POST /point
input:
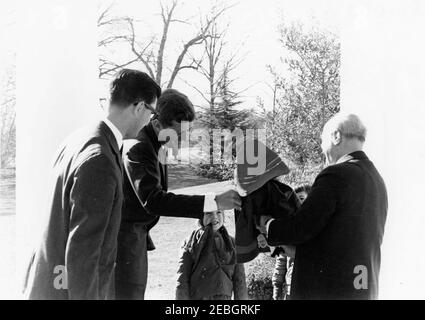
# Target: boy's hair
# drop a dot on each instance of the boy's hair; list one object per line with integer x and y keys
{"x": 132, "y": 86}
{"x": 303, "y": 188}
{"x": 174, "y": 105}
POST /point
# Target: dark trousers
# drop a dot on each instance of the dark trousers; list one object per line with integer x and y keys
{"x": 131, "y": 271}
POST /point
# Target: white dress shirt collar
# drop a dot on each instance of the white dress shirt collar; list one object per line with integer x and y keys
{"x": 346, "y": 157}
{"x": 115, "y": 131}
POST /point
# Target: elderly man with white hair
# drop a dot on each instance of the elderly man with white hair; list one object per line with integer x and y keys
{"x": 338, "y": 230}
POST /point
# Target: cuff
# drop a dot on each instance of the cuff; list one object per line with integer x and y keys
{"x": 268, "y": 225}
{"x": 209, "y": 203}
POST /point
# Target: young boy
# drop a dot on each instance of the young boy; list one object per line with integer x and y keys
{"x": 282, "y": 273}
{"x": 207, "y": 267}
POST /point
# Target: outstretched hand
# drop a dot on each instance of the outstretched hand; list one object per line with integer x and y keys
{"x": 228, "y": 200}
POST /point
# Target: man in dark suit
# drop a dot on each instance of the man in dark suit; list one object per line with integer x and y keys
{"x": 338, "y": 230}
{"x": 146, "y": 197}
{"x": 75, "y": 258}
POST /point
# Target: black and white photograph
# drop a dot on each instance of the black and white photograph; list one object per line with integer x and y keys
{"x": 223, "y": 150}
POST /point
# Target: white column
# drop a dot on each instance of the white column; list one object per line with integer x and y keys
{"x": 383, "y": 80}
{"x": 56, "y": 93}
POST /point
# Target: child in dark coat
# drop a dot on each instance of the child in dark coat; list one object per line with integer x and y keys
{"x": 282, "y": 273}
{"x": 207, "y": 268}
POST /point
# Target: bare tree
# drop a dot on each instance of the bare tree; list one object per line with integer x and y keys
{"x": 111, "y": 32}
{"x": 213, "y": 46}
{"x": 216, "y": 69}
{"x": 152, "y": 53}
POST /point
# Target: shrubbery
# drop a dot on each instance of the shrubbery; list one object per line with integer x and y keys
{"x": 259, "y": 277}
{"x": 298, "y": 177}
{"x": 307, "y": 95}
{"x": 221, "y": 172}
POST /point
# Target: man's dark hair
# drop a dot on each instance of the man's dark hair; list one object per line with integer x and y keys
{"x": 132, "y": 86}
{"x": 173, "y": 105}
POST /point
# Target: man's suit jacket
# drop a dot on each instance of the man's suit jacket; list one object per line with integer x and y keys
{"x": 338, "y": 232}
{"x": 80, "y": 232}
{"x": 145, "y": 199}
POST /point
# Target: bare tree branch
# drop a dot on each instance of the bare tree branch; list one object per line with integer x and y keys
{"x": 111, "y": 39}
{"x": 151, "y": 54}
{"x": 102, "y": 17}
{"x": 103, "y": 71}
{"x": 203, "y": 95}
{"x": 166, "y": 18}
{"x": 134, "y": 49}
{"x": 198, "y": 39}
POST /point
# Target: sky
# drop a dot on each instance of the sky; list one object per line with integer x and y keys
{"x": 7, "y": 40}
{"x": 252, "y": 33}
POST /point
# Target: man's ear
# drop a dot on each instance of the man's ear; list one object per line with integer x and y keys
{"x": 336, "y": 137}
{"x": 156, "y": 124}
{"x": 138, "y": 108}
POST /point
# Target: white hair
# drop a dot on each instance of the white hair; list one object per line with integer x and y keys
{"x": 348, "y": 124}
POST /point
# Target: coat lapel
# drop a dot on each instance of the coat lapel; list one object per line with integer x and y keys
{"x": 161, "y": 152}
{"x": 113, "y": 143}
{"x": 162, "y": 157}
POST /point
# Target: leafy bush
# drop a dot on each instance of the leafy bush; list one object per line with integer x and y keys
{"x": 307, "y": 95}
{"x": 259, "y": 277}
{"x": 221, "y": 172}
{"x": 302, "y": 176}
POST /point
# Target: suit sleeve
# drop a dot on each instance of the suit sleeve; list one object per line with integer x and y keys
{"x": 183, "y": 274}
{"x": 91, "y": 198}
{"x": 240, "y": 291}
{"x": 314, "y": 213}
{"x": 141, "y": 165}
